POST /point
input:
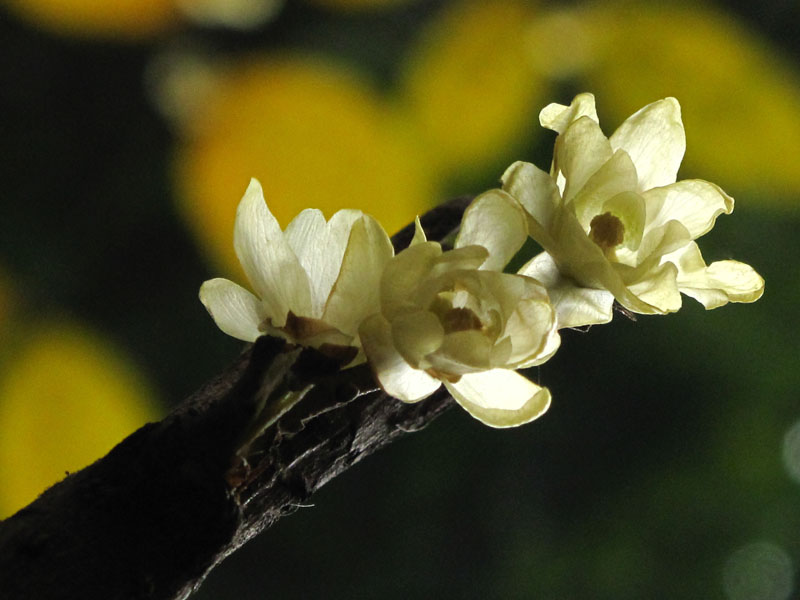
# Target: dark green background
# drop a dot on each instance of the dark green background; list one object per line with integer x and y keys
{"x": 661, "y": 454}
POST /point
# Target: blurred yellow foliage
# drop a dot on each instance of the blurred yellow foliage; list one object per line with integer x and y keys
{"x": 66, "y": 398}
{"x": 103, "y": 18}
{"x": 470, "y": 87}
{"x": 314, "y": 134}
{"x": 741, "y": 103}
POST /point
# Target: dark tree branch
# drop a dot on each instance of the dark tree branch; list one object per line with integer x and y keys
{"x": 170, "y": 502}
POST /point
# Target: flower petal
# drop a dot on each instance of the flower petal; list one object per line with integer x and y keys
{"x": 629, "y": 208}
{"x": 579, "y": 153}
{"x": 356, "y": 293}
{"x": 268, "y": 260}
{"x": 419, "y": 233}
{"x": 497, "y": 222}
{"x": 500, "y": 397}
{"x": 617, "y": 175}
{"x": 462, "y": 352}
{"x": 417, "y": 334}
{"x": 655, "y": 139}
{"x": 659, "y": 242}
{"x": 403, "y": 275}
{"x": 320, "y": 247}
{"x": 659, "y": 290}
{"x": 718, "y": 283}
{"x": 558, "y": 117}
{"x": 551, "y": 346}
{"x": 535, "y": 190}
{"x": 693, "y": 202}
{"x": 396, "y": 376}
{"x": 236, "y": 311}
{"x": 575, "y": 306}
{"x": 529, "y": 329}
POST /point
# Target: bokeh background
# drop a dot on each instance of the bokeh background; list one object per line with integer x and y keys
{"x": 669, "y": 463}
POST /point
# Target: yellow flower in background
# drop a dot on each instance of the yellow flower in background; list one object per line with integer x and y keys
{"x": 314, "y": 134}
{"x": 120, "y": 18}
{"x": 742, "y": 99}
{"x": 66, "y": 398}
{"x": 134, "y": 19}
{"x": 469, "y": 87}
{"x": 451, "y": 318}
{"x": 615, "y": 224}
{"x": 315, "y": 282}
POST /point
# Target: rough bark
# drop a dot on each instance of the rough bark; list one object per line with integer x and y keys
{"x": 170, "y": 502}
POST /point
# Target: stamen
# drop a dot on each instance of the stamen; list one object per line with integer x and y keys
{"x": 607, "y": 231}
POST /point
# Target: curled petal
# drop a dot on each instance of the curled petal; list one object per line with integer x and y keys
{"x": 528, "y": 330}
{"x": 695, "y": 203}
{"x": 550, "y": 347}
{"x": 655, "y": 140}
{"x": 659, "y": 290}
{"x": 659, "y": 242}
{"x": 268, "y": 260}
{"x": 395, "y": 375}
{"x": 500, "y": 397}
{"x": 236, "y": 311}
{"x": 558, "y": 117}
{"x": 575, "y": 306}
{"x": 495, "y": 221}
{"x": 718, "y": 283}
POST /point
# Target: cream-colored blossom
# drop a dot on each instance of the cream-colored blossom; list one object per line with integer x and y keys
{"x": 314, "y": 282}
{"x": 615, "y": 223}
{"x": 453, "y": 317}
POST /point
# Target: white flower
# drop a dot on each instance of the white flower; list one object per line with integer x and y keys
{"x": 452, "y": 317}
{"x": 615, "y": 224}
{"x": 314, "y": 283}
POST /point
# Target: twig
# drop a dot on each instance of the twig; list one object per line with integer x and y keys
{"x": 170, "y": 502}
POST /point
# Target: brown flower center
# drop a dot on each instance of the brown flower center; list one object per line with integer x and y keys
{"x": 460, "y": 319}
{"x": 607, "y": 231}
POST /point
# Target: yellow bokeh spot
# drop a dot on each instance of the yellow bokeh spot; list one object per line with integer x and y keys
{"x": 470, "y": 86}
{"x": 740, "y": 102}
{"x": 314, "y": 134}
{"x": 102, "y": 18}
{"x": 66, "y": 398}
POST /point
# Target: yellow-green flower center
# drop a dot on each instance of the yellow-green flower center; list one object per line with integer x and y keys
{"x": 607, "y": 231}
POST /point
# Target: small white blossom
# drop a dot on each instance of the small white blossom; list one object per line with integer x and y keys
{"x": 452, "y": 317}
{"x": 615, "y": 224}
{"x": 314, "y": 283}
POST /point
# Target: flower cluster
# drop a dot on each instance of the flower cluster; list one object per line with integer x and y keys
{"x": 613, "y": 223}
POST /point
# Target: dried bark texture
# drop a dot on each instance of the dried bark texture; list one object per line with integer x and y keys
{"x": 170, "y": 502}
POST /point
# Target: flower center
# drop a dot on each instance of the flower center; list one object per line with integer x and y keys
{"x": 460, "y": 319}
{"x": 607, "y": 231}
